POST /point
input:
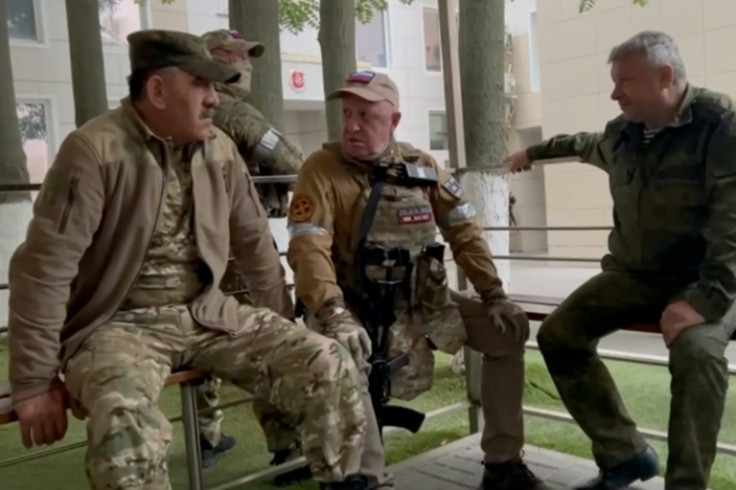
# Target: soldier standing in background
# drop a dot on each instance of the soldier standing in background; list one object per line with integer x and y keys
{"x": 266, "y": 152}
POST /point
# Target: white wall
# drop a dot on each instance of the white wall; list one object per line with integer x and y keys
{"x": 41, "y": 70}
{"x": 576, "y": 84}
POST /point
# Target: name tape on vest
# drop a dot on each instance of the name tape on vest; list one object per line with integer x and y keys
{"x": 414, "y": 215}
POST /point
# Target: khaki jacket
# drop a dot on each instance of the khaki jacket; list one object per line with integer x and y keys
{"x": 322, "y": 217}
{"x": 91, "y": 227}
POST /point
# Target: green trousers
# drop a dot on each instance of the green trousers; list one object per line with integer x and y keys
{"x": 568, "y": 340}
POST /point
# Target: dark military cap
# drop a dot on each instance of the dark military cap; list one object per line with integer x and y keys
{"x": 154, "y": 48}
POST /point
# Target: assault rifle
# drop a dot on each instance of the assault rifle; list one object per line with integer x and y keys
{"x": 376, "y": 308}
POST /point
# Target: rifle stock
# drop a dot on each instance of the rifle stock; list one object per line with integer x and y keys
{"x": 406, "y": 418}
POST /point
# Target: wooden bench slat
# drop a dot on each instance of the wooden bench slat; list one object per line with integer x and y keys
{"x": 7, "y": 415}
{"x": 538, "y": 308}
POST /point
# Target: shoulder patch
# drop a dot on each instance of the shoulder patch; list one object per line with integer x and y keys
{"x": 453, "y": 187}
{"x": 301, "y": 209}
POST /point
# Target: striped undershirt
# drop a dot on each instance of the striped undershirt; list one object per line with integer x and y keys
{"x": 649, "y": 134}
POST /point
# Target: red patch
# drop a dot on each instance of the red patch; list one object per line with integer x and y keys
{"x": 413, "y": 216}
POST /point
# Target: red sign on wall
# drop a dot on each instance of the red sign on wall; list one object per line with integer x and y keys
{"x": 297, "y": 80}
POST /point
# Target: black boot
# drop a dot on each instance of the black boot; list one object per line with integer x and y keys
{"x": 644, "y": 466}
{"x": 211, "y": 455}
{"x": 296, "y": 475}
{"x": 352, "y": 482}
{"x": 513, "y": 475}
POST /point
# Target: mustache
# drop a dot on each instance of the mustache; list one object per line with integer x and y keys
{"x": 207, "y": 114}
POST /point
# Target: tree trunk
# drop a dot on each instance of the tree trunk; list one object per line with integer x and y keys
{"x": 259, "y": 21}
{"x": 337, "y": 44}
{"x": 482, "y": 54}
{"x": 15, "y": 208}
{"x": 88, "y": 65}
{"x": 482, "y": 67}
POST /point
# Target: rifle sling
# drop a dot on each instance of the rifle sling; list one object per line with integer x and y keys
{"x": 369, "y": 213}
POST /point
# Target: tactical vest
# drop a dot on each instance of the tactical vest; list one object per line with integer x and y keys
{"x": 392, "y": 216}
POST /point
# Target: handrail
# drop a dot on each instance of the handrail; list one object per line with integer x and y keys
{"x": 543, "y": 258}
{"x": 280, "y": 179}
{"x": 257, "y": 179}
{"x": 547, "y": 228}
{"x": 721, "y": 448}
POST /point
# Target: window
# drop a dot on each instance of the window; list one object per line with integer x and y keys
{"x": 118, "y": 18}
{"x": 432, "y": 50}
{"x": 34, "y": 132}
{"x": 533, "y": 53}
{"x": 22, "y": 20}
{"x": 438, "y": 131}
{"x": 371, "y": 41}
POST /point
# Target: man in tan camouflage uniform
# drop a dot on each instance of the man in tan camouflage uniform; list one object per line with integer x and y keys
{"x": 263, "y": 147}
{"x": 354, "y": 196}
{"x": 671, "y": 162}
{"x": 266, "y": 152}
{"x": 117, "y": 284}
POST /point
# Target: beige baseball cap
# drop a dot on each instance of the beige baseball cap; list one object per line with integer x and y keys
{"x": 370, "y": 86}
{"x": 232, "y": 40}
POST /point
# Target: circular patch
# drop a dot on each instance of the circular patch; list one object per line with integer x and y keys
{"x": 301, "y": 208}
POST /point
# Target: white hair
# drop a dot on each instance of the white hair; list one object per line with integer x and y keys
{"x": 657, "y": 47}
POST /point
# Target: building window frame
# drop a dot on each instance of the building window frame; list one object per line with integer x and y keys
{"x": 144, "y": 13}
{"x": 435, "y": 112}
{"x": 50, "y": 119}
{"x": 427, "y": 71}
{"x": 384, "y": 15}
{"x": 39, "y": 18}
{"x": 534, "y": 77}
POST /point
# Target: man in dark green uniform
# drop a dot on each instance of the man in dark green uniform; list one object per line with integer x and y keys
{"x": 671, "y": 161}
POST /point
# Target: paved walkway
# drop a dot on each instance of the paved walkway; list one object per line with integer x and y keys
{"x": 456, "y": 466}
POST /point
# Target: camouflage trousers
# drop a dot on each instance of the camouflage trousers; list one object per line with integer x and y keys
{"x": 502, "y": 390}
{"x": 278, "y": 427}
{"x": 612, "y": 300}
{"x": 119, "y": 372}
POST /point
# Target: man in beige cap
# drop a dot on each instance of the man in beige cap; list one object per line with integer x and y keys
{"x": 363, "y": 222}
{"x": 266, "y": 152}
{"x": 263, "y": 147}
{"x": 117, "y": 284}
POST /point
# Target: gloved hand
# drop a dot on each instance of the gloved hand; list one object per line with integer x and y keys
{"x": 343, "y": 328}
{"x": 507, "y": 316}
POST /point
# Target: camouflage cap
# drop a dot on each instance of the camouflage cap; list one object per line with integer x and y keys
{"x": 154, "y": 48}
{"x": 232, "y": 40}
{"x": 370, "y": 86}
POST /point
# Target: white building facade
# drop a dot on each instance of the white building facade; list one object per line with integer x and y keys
{"x": 403, "y": 41}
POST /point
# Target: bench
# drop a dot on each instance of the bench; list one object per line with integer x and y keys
{"x": 186, "y": 380}
{"x": 538, "y": 308}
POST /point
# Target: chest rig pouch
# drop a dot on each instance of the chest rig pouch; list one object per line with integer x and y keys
{"x": 396, "y": 236}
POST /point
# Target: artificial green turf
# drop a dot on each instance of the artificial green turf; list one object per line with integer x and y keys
{"x": 645, "y": 389}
